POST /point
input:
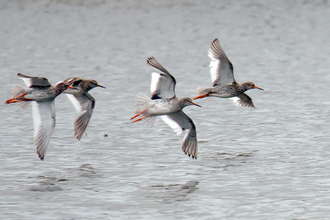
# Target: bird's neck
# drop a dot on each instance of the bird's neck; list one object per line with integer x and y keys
{"x": 59, "y": 88}
{"x": 239, "y": 87}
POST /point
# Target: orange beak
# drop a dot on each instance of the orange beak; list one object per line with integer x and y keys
{"x": 70, "y": 87}
{"x": 255, "y": 87}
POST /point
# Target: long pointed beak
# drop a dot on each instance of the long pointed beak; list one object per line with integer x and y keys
{"x": 195, "y": 104}
{"x": 101, "y": 86}
{"x": 255, "y": 87}
{"x": 70, "y": 87}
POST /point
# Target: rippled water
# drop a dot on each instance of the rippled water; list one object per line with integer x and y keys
{"x": 266, "y": 163}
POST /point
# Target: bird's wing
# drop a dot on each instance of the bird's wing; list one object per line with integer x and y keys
{"x": 74, "y": 80}
{"x": 44, "y": 124}
{"x": 179, "y": 122}
{"x": 243, "y": 100}
{"x": 162, "y": 84}
{"x": 32, "y": 81}
{"x": 84, "y": 104}
{"x": 75, "y": 86}
{"x": 221, "y": 69}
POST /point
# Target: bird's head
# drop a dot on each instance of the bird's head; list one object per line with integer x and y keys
{"x": 250, "y": 85}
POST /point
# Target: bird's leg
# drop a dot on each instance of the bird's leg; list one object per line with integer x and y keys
{"x": 138, "y": 114}
{"x": 202, "y": 96}
{"x": 140, "y": 119}
{"x": 14, "y": 100}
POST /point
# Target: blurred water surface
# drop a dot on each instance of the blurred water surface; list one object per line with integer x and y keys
{"x": 266, "y": 163}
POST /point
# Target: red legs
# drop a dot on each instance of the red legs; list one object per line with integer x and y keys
{"x": 10, "y": 101}
{"x": 138, "y": 114}
{"x": 140, "y": 119}
{"x": 202, "y": 96}
{"x": 14, "y": 100}
{"x": 20, "y": 96}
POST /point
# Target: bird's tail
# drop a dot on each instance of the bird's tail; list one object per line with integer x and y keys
{"x": 16, "y": 91}
{"x": 203, "y": 90}
{"x": 142, "y": 103}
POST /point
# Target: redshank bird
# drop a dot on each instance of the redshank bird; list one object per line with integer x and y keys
{"x": 224, "y": 83}
{"x": 164, "y": 103}
{"x": 42, "y": 94}
{"x": 82, "y": 101}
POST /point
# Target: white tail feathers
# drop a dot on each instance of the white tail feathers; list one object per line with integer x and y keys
{"x": 23, "y": 105}
{"x": 141, "y": 102}
{"x": 16, "y": 91}
{"x": 149, "y": 121}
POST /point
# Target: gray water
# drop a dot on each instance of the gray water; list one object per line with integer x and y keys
{"x": 271, "y": 162}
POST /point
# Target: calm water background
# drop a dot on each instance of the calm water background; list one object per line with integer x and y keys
{"x": 266, "y": 163}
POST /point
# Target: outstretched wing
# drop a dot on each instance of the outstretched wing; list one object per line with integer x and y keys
{"x": 44, "y": 124}
{"x": 32, "y": 81}
{"x": 221, "y": 69}
{"x": 179, "y": 122}
{"x": 84, "y": 104}
{"x": 162, "y": 84}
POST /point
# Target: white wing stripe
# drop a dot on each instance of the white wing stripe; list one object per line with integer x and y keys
{"x": 154, "y": 81}
{"x": 214, "y": 69}
{"x": 173, "y": 124}
{"x": 27, "y": 81}
{"x": 44, "y": 124}
{"x": 75, "y": 102}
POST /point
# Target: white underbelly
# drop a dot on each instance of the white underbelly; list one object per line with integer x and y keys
{"x": 161, "y": 108}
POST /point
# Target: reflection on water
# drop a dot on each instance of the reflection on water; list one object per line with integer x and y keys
{"x": 264, "y": 163}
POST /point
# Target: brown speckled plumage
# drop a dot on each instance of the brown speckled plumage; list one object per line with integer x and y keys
{"x": 224, "y": 83}
{"x": 164, "y": 103}
{"x": 83, "y": 102}
{"x": 42, "y": 95}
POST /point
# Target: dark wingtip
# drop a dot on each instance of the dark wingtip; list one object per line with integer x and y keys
{"x": 149, "y": 60}
{"x": 41, "y": 157}
{"x": 215, "y": 41}
{"x": 192, "y": 156}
